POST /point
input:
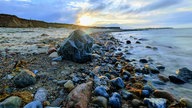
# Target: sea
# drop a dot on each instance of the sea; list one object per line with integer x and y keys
{"x": 171, "y": 48}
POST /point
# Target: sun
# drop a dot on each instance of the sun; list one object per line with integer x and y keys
{"x": 86, "y": 20}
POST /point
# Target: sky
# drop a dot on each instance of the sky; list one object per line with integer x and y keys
{"x": 123, "y": 13}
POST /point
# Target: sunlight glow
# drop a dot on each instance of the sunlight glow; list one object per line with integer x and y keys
{"x": 86, "y": 20}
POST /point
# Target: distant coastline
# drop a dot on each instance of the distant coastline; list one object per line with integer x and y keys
{"x": 12, "y": 21}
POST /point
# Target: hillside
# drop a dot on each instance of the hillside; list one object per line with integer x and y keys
{"x": 14, "y": 21}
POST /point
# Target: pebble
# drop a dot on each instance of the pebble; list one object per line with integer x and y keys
{"x": 57, "y": 59}
{"x": 115, "y": 100}
{"x": 34, "y": 104}
{"x": 24, "y": 78}
{"x": 186, "y": 101}
{"x": 145, "y": 93}
{"x": 136, "y": 103}
{"x": 128, "y": 42}
{"x": 11, "y": 102}
{"x": 41, "y": 94}
{"x": 53, "y": 55}
{"x": 163, "y": 78}
{"x": 126, "y": 94}
{"x": 101, "y": 91}
{"x": 100, "y": 101}
{"x": 155, "y": 102}
{"x": 143, "y": 61}
{"x": 61, "y": 82}
{"x": 8, "y": 77}
{"x": 118, "y": 82}
{"x": 69, "y": 85}
{"x": 54, "y": 63}
{"x": 164, "y": 94}
{"x": 57, "y": 102}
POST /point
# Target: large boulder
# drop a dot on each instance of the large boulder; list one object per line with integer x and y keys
{"x": 77, "y": 47}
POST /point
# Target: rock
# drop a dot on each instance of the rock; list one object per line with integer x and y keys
{"x": 184, "y": 74}
{"x": 69, "y": 85}
{"x": 8, "y": 77}
{"x": 34, "y": 104}
{"x": 126, "y": 95}
{"x": 54, "y": 63}
{"x": 101, "y": 91}
{"x": 145, "y": 93}
{"x": 77, "y": 47}
{"x": 143, "y": 61}
{"x": 164, "y": 94}
{"x": 102, "y": 80}
{"x": 53, "y": 55}
{"x": 44, "y": 34}
{"x": 57, "y": 102}
{"x": 128, "y": 42}
{"x": 187, "y": 102}
{"x": 163, "y": 78}
{"x": 61, "y": 82}
{"x": 41, "y": 95}
{"x": 126, "y": 75}
{"x": 137, "y": 42}
{"x": 117, "y": 82}
{"x": 149, "y": 88}
{"x": 155, "y": 102}
{"x": 11, "y": 102}
{"x": 115, "y": 100}
{"x": 176, "y": 80}
{"x": 79, "y": 96}
{"x": 125, "y": 106}
{"x": 51, "y": 50}
{"x": 160, "y": 67}
{"x": 24, "y": 78}
{"x": 100, "y": 101}
{"x": 57, "y": 59}
{"x": 136, "y": 103}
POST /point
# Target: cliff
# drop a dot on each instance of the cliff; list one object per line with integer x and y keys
{"x": 14, "y": 21}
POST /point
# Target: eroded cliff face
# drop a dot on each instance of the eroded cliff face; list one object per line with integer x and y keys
{"x": 14, "y": 21}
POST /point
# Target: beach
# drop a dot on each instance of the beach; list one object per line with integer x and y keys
{"x": 116, "y": 70}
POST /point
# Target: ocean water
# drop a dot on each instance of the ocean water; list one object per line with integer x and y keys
{"x": 174, "y": 51}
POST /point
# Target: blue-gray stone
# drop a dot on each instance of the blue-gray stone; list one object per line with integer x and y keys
{"x": 101, "y": 91}
{"x": 118, "y": 82}
{"x": 115, "y": 100}
{"x": 126, "y": 94}
{"x": 155, "y": 102}
{"x": 34, "y": 104}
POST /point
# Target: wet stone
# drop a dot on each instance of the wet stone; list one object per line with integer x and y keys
{"x": 143, "y": 61}
{"x": 155, "y": 102}
{"x": 101, "y": 91}
{"x": 126, "y": 95}
{"x": 100, "y": 101}
{"x": 136, "y": 103}
{"x": 176, "y": 80}
{"x": 115, "y": 100}
{"x": 24, "y": 79}
{"x": 118, "y": 82}
{"x": 34, "y": 104}
{"x": 41, "y": 95}
{"x": 11, "y": 102}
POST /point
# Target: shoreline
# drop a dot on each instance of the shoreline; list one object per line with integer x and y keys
{"x": 106, "y": 62}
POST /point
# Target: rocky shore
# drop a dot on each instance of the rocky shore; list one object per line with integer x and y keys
{"x": 103, "y": 77}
